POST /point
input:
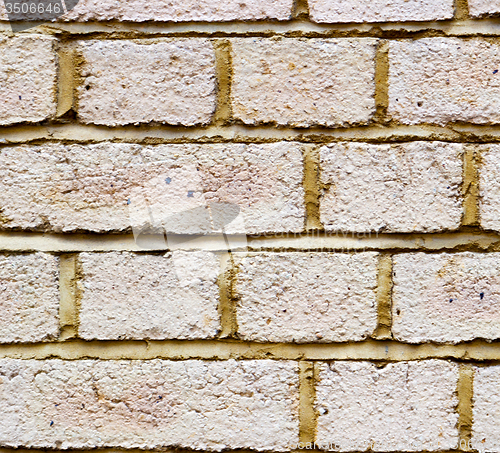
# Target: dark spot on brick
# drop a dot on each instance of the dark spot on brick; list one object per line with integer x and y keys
{"x": 481, "y": 295}
{"x": 52, "y": 422}
{"x": 420, "y": 103}
{"x": 495, "y": 71}
{"x": 128, "y": 201}
{"x": 20, "y": 98}
{"x": 451, "y": 300}
{"x": 168, "y": 180}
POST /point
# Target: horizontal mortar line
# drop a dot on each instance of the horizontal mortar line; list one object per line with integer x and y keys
{"x": 74, "y": 242}
{"x": 82, "y": 133}
{"x": 471, "y": 27}
{"x": 477, "y": 350}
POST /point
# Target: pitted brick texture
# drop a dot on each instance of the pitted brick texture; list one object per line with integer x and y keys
{"x": 486, "y": 409}
{"x": 392, "y": 188}
{"x": 130, "y": 296}
{"x": 379, "y": 11}
{"x": 149, "y": 404}
{"x": 446, "y": 297}
{"x": 303, "y": 82}
{"x": 443, "y": 80}
{"x": 489, "y": 185}
{"x": 29, "y": 297}
{"x": 406, "y": 406}
{"x": 125, "y": 82}
{"x": 304, "y": 297}
{"x": 481, "y": 8}
{"x": 28, "y": 71}
{"x": 180, "y": 10}
{"x": 113, "y": 186}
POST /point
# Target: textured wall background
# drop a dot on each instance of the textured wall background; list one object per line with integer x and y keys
{"x": 351, "y": 148}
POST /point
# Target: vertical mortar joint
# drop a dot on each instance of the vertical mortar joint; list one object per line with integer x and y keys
{"x": 383, "y": 330}
{"x": 68, "y": 293}
{"x": 461, "y": 10}
{"x": 223, "y": 70}
{"x": 227, "y": 304}
{"x": 66, "y": 80}
{"x": 470, "y": 188}
{"x": 300, "y": 10}
{"x": 464, "y": 408}
{"x": 381, "y": 82}
{"x": 312, "y": 188}
{"x": 307, "y": 397}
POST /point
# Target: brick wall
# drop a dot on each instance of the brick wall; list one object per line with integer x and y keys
{"x": 350, "y": 152}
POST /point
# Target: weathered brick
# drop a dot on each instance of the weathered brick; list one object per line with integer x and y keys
{"x": 379, "y": 11}
{"x": 481, "y": 8}
{"x": 149, "y": 404}
{"x": 405, "y": 406}
{"x": 446, "y": 297}
{"x": 130, "y": 296}
{"x": 489, "y": 185}
{"x": 303, "y": 82}
{"x": 28, "y": 72}
{"x": 29, "y": 297}
{"x": 442, "y": 80}
{"x": 180, "y": 10}
{"x": 486, "y": 409}
{"x": 304, "y": 297}
{"x": 170, "y": 81}
{"x": 404, "y": 187}
{"x": 111, "y": 186}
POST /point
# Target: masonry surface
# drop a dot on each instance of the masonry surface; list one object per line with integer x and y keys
{"x": 251, "y": 226}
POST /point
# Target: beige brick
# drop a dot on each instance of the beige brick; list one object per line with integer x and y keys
{"x": 379, "y": 11}
{"x": 130, "y": 296}
{"x": 405, "y": 406}
{"x": 303, "y": 82}
{"x": 486, "y": 409}
{"x": 489, "y": 185}
{"x": 180, "y": 10}
{"x": 149, "y": 404}
{"x": 169, "y": 81}
{"x": 446, "y": 297}
{"x": 481, "y": 8}
{"x": 111, "y": 186}
{"x": 29, "y": 297}
{"x": 404, "y": 187}
{"x": 28, "y": 71}
{"x": 442, "y": 80}
{"x": 304, "y": 297}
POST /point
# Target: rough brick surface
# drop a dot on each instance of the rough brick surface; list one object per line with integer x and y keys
{"x": 301, "y": 82}
{"x": 489, "y": 185}
{"x": 28, "y": 71}
{"x": 304, "y": 297}
{"x": 29, "y": 297}
{"x": 181, "y": 10}
{"x": 442, "y": 80}
{"x": 130, "y": 296}
{"x": 480, "y": 8}
{"x": 111, "y": 186}
{"x": 392, "y": 188}
{"x": 406, "y": 406}
{"x": 486, "y": 409}
{"x": 379, "y": 11}
{"x": 446, "y": 297}
{"x": 149, "y": 404}
{"x": 124, "y": 82}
